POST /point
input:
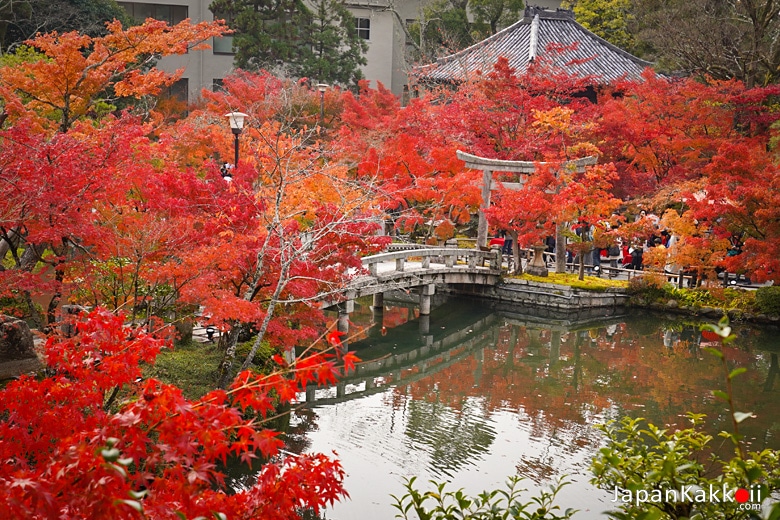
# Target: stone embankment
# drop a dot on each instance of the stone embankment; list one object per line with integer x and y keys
{"x": 547, "y": 295}
{"x": 563, "y": 298}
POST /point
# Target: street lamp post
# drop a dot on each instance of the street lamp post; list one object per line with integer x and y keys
{"x": 236, "y": 125}
{"x": 322, "y": 87}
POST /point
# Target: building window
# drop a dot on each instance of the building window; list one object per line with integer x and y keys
{"x": 217, "y": 85}
{"x": 172, "y": 14}
{"x": 179, "y": 90}
{"x": 363, "y": 27}
{"x": 223, "y": 44}
{"x": 172, "y": 101}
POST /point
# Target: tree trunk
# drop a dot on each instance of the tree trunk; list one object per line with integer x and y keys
{"x": 226, "y": 367}
{"x": 51, "y": 311}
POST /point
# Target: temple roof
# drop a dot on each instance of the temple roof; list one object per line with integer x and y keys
{"x": 524, "y": 41}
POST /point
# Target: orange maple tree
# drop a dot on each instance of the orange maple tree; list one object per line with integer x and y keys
{"x": 71, "y": 74}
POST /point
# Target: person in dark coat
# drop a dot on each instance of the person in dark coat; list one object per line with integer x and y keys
{"x": 636, "y": 258}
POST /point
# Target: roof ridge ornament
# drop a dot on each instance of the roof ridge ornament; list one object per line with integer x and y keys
{"x": 534, "y": 39}
{"x": 559, "y": 13}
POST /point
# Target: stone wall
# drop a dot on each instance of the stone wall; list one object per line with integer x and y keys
{"x": 536, "y": 294}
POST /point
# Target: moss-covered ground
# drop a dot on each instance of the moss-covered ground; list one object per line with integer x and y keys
{"x": 191, "y": 366}
{"x": 590, "y": 283}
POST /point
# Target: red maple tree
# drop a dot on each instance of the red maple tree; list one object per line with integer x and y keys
{"x": 76, "y": 446}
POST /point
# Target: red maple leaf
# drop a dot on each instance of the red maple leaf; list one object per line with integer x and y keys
{"x": 334, "y": 338}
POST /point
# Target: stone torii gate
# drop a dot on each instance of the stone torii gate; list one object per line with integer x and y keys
{"x": 488, "y": 166}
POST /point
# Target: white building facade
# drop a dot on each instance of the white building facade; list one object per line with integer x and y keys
{"x": 381, "y": 22}
{"x": 202, "y": 69}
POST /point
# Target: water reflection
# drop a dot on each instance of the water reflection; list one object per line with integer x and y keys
{"x": 454, "y": 437}
{"x": 474, "y": 395}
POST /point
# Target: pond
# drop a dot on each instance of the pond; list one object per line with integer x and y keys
{"x": 473, "y": 395}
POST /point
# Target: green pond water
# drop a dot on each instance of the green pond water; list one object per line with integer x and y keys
{"x": 475, "y": 394}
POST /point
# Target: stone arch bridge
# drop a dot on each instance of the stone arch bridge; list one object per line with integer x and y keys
{"x": 414, "y": 268}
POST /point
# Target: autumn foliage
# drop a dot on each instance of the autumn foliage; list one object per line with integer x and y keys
{"x": 110, "y": 205}
{"x": 70, "y": 450}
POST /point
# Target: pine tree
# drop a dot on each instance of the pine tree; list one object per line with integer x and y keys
{"x": 287, "y": 37}
{"x": 333, "y": 51}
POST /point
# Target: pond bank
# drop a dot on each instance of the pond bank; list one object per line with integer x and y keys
{"x": 566, "y": 298}
{"x": 541, "y": 294}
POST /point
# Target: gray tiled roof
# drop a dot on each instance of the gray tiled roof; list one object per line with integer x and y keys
{"x": 530, "y": 38}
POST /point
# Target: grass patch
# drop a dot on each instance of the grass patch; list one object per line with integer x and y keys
{"x": 590, "y": 283}
{"x": 191, "y": 366}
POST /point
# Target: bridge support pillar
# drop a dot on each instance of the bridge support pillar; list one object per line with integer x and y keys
{"x": 379, "y": 301}
{"x": 425, "y": 325}
{"x": 310, "y": 398}
{"x": 555, "y": 347}
{"x": 342, "y": 325}
{"x": 341, "y": 389}
{"x": 426, "y": 291}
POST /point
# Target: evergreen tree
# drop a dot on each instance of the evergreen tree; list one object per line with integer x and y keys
{"x": 332, "y": 50}
{"x": 287, "y": 37}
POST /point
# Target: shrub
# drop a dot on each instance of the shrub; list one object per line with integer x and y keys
{"x": 691, "y": 297}
{"x": 649, "y": 464}
{"x": 646, "y": 288}
{"x": 262, "y": 359}
{"x": 16, "y": 307}
{"x": 768, "y": 300}
{"x": 489, "y": 505}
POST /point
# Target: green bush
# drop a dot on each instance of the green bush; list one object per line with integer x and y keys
{"x": 16, "y": 307}
{"x": 768, "y": 300}
{"x": 647, "y": 287}
{"x": 644, "y": 466}
{"x": 695, "y": 298}
{"x": 493, "y": 505}
{"x": 262, "y": 356}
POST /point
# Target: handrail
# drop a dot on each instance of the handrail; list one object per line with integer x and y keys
{"x": 450, "y": 255}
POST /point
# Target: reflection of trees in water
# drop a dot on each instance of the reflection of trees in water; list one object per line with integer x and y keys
{"x": 302, "y": 421}
{"x": 774, "y": 370}
{"x": 561, "y": 380}
{"x": 294, "y": 425}
{"x": 454, "y": 438}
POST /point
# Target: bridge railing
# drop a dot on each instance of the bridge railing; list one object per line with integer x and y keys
{"x": 448, "y": 256}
